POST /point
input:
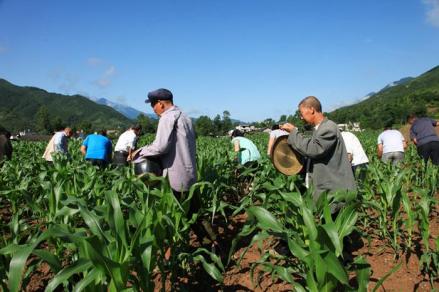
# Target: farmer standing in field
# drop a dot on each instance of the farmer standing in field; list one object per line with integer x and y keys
{"x": 356, "y": 154}
{"x": 247, "y": 153}
{"x": 175, "y": 146}
{"x": 97, "y": 149}
{"x": 174, "y": 143}
{"x": 58, "y": 143}
{"x": 329, "y": 168}
{"x": 423, "y": 134}
{"x": 126, "y": 144}
{"x": 391, "y": 145}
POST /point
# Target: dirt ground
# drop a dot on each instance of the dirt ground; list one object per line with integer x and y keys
{"x": 381, "y": 258}
{"x": 237, "y": 278}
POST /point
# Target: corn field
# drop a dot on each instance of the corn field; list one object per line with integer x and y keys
{"x": 107, "y": 230}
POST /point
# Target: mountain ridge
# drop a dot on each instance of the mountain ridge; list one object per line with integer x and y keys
{"x": 394, "y": 102}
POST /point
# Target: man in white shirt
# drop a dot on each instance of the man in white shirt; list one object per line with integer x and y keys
{"x": 58, "y": 143}
{"x": 391, "y": 145}
{"x": 356, "y": 154}
{"x": 126, "y": 144}
{"x": 275, "y": 133}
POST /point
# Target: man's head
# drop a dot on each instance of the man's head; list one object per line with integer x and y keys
{"x": 137, "y": 129}
{"x": 310, "y": 110}
{"x": 388, "y": 125}
{"x": 160, "y": 99}
{"x": 68, "y": 132}
{"x": 236, "y": 133}
{"x": 411, "y": 118}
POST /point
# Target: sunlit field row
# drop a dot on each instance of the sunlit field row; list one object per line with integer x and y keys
{"x": 107, "y": 230}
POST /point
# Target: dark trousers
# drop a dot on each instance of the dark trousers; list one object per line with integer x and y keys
{"x": 98, "y": 162}
{"x": 430, "y": 151}
{"x": 120, "y": 158}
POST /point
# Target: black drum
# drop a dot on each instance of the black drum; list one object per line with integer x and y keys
{"x": 150, "y": 165}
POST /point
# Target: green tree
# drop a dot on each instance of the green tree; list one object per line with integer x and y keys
{"x": 282, "y": 119}
{"x": 86, "y": 127}
{"x": 217, "y": 125}
{"x": 148, "y": 124}
{"x": 268, "y": 123}
{"x": 295, "y": 119}
{"x": 227, "y": 122}
{"x": 42, "y": 120}
{"x": 204, "y": 126}
{"x": 57, "y": 124}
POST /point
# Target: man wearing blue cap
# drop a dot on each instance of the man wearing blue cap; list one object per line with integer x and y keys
{"x": 174, "y": 143}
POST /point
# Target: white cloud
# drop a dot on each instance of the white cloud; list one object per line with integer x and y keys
{"x": 432, "y": 12}
{"x": 340, "y": 104}
{"x": 107, "y": 77}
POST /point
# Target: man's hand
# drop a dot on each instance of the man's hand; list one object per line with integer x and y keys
{"x": 287, "y": 127}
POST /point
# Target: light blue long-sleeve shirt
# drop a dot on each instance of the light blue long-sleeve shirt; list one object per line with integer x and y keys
{"x": 175, "y": 145}
{"x": 60, "y": 142}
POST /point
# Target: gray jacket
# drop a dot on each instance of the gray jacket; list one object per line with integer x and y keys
{"x": 175, "y": 145}
{"x": 330, "y": 169}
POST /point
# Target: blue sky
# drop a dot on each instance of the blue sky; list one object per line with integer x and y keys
{"x": 256, "y": 59}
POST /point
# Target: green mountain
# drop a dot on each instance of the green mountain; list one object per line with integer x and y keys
{"x": 392, "y": 104}
{"x": 36, "y": 109}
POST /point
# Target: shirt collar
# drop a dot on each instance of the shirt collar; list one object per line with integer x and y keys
{"x": 318, "y": 125}
{"x": 169, "y": 110}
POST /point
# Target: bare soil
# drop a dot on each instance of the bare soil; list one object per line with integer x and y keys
{"x": 237, "y": 278}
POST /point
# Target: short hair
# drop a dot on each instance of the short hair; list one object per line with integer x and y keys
{"x": 103, "y": 132}
{"x": 388, "y": 124}
{"x": 275, "y": 127}
{"x": 411, "y": 117}
{"x": 237, "y": 133}
{"x": 6, "y": 133}
{"x": 311, "y": 101}
{"x": 136, "y": 127}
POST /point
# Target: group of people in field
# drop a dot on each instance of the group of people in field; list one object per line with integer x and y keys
{"x": 332, "y": 155}
{"x": 96, "y": 148}
{"x": 330, "y": 151}
{"x": 392, "y": 144}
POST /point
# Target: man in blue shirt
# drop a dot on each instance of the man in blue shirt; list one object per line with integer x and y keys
{"x": 423, "y": 134}
{"x": 97, "y": 149}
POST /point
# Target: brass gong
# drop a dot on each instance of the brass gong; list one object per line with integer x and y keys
{"x": 284, "y": 158}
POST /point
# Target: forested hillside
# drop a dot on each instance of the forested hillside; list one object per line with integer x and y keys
{"x": 392, "y": 104}
{"x": 42, "y": 111}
